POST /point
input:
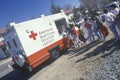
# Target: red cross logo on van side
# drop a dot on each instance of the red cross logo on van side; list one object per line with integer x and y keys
{"x": 33, "y": 35}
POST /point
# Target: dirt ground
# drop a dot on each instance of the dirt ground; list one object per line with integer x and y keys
{"x": 74, "y": 64}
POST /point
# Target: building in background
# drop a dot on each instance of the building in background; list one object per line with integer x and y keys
{"x": 3, "y": 50}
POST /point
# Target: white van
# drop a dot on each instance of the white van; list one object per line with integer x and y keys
{"x": 32, "y": 42}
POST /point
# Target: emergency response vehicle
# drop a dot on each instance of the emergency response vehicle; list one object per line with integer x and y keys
{"x": 32, "y": 42}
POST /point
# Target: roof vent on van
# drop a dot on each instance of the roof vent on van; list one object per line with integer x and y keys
{"x": 42, "y": 15}
{"x": 62, "y": 10}
{"x": 12, "y": 23}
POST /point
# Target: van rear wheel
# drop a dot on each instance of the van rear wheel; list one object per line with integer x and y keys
{"x": 55, "y": 54}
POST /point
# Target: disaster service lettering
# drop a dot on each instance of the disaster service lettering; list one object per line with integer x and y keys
{"x": 47, "y": 36}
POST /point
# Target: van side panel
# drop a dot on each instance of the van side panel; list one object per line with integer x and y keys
{"x": 42, "y": 55}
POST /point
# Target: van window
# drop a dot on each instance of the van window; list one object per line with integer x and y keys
{"x": 14, "y": 42}
{"x": 9, "y": 45}
{"x": 61, "y": 25}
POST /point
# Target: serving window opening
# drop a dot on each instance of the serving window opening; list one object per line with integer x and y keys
{"x": 61, "y": 25}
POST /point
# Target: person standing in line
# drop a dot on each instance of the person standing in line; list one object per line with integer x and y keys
{"x": 101, "y": 30}
{"x": 96, "y": 29}
{"x": 110, "y": 20}
{"x": 116, "y": 11}
{"x": 81, "y": 34}
{"x": 88, "y": 26}
{"x": 74, "y": 37}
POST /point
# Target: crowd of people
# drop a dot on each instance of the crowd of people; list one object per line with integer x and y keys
{"x": 112, "y": 18}
{"x": 95, "y": 27}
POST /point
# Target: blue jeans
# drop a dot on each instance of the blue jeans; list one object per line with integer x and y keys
{"x": 114, "y": 30}
{"x": 98, "y": 33}
{"x": 90, "y": 35}
{"x": 118, "y": 24}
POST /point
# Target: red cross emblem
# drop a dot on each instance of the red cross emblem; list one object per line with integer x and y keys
{"x": 33, "y": 35}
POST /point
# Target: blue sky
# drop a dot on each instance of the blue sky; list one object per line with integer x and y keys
{"x": 22, "y": 10}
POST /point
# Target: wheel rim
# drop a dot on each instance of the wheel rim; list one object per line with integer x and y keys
{"x": 55, "y": 54}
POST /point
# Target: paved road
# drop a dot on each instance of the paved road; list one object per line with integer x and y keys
{"x": 8, "y": 73}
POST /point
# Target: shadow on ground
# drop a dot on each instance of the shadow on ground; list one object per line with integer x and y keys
{"x": 109, "y": 46}
{"x": 76, "y": 52}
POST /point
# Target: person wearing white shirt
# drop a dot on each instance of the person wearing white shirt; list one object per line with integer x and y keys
{"x": 114, "y": 10}
{"x": 110, "y": 20}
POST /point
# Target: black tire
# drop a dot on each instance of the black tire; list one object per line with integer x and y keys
{"x": 55, "y": 54}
